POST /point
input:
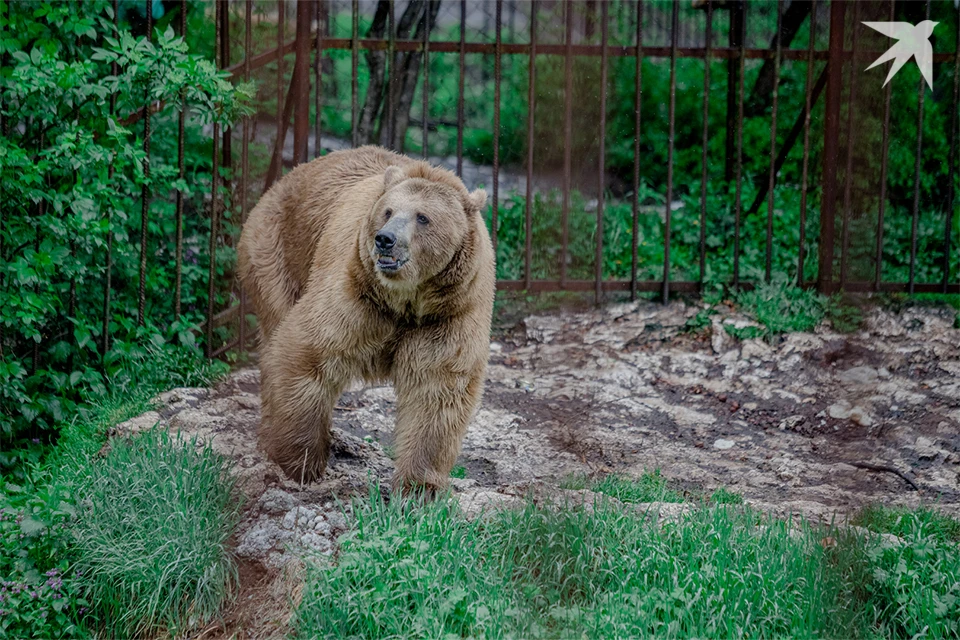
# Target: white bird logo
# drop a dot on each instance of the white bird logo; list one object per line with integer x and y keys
{"x": 914, "y": 42}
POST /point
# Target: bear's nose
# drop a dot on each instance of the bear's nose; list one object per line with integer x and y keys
{"x": 385, "y": 240}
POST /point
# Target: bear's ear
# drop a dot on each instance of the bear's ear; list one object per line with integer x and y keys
{"x": 392, "y": 176}
{"x": 477, "y": 200}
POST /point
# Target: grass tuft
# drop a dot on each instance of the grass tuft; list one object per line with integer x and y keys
{"x": 649, "y": 487}
{"x": 725, "y": 496}
{"x": 902, "y": 522}
{"x": 151, "y": 537}
{"x": 782, "y": 307}
{"x": 549, "y": 572}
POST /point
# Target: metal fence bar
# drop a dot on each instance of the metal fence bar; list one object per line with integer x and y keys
{"x": 278, "y": 146}
{"x": 497, "y": 62}
{"x": 301, "y": 81}
{"x": 771, "y": 178}
{"x": 108, "y": 269}
{"x": 389, "y": 114}
{"x": 831, "y": 150}
{"x": 807, "y": 107}
{"x": 601, "y": 177}
{"x": 738, "y": 202}
{"x": 225, "y": 62}
{"x": 426, "y": 79}
{"x": 145, "y": 189}
{"x": 847, "y": 219}
{"x": 582, "y": 50}
{"x": 671, "y": 131}
{"x": 318, "y": 79}
{"x": 354, "y": 68}
{"x": 637, "y": 108}
{"x": 531, "y": 109}
{"x": 567, "y": 137}
{"x": 245, "y": 157}
{"x": 952, "y": 165}
{"x": 706, "y": 139}
{"x": 214, "y": 214}
{"x": 921, "y": 94}
{"x": 883, "y": 173}
{"x": 181, "y": 124}
{"x": 462, "y": 59}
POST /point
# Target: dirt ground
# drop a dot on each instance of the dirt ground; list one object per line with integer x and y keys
{"x": 812, "y": 424}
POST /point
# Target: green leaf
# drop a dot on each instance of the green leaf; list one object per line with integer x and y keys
{"x": 31, "y": 527}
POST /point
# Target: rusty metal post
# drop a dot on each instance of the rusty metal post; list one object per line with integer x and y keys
{"x": 354, "y": 65}
{"x": 497, "y": 58}
{"x": 807, "y": 105}
{"x": 734, "y": 76}
{"x": 224, "y": 63}
{"x": 462, "y": 59}
{"x": 738, "y": 199}
{"x": 301, "y": 80}
{"x": 601, "y": 173}
{"x": 245, "y": 157}
{"x": 705, "y": 142}
{"x": 914, "y": 224}
{"x": 878, "y": 275}
{"x": 531, "y": 110}
{"x": 214, "y": 221}
{"x": 847, "y": 219}
{"x": 181, "y": 122}
{"x": 672, "y": 117}
{"x": 952, "y": 164}
{"x": 425, "y": 93}
{"x": 772, "y": 176}
{"x": 108, "y": 270}
{"x": 831, "y": 146}
{"x": 145, "y": 190}
{"x": 567, "y": 138}
{"x": 318, "y": 79}
{"x": 637, "y": 104}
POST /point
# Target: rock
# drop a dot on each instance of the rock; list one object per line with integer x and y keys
{"x": 261, "y": 539}
{"x": 298, "y": 517}
{"x": 723, "y": 445}
{"x": 143, "y": 422}
{"x": 859, "y": 375}
{"x": 276, "y": 502}
{"x": 755, "y": 348}
{"x": 926, "y": 448}
{"x": 843, "y": 410}
{"x": 475, "y": 503}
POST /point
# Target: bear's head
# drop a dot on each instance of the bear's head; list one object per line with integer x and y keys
{"x": 419, "y": 224}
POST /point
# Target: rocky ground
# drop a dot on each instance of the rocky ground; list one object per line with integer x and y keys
{"x": 812, "y": 424}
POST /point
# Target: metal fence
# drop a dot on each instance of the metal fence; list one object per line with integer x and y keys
{"x": 665, "y": 34}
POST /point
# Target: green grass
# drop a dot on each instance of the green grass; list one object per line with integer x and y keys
{"x": 459, "y": 472}
{"x": 40, "y": 506}
{"x": 649, "y": 487}
{"x": 901, "y": 522}
{"x": 725, "y": 496}
{"x": 782, "y": 307}
{"x": 152, "y": 535}
{"x": 550, "y": 572}
{"x": 602, "y": 571}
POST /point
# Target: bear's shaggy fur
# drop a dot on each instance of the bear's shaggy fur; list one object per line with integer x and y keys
{"x": 336, "y": 304}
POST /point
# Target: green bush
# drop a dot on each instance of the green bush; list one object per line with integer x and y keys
{"x": 151, "y": 535}
{"x": 39, "y": 501}
{"x": 71, "y": 178}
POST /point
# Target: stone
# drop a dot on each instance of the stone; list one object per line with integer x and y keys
{"x": 859, "y": 375}
{"x": 723, "y": 445}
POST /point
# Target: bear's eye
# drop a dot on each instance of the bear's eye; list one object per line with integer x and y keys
{"x": 422, "y": 219}
{"x": 387, "y": 214}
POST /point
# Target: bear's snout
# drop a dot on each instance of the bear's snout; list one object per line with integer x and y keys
{"x": 385, "y": 240}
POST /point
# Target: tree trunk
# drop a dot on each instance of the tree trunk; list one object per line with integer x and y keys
{"x": 403, "y": 75}
{"x": 762, "y": 94}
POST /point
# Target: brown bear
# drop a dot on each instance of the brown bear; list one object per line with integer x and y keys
{"x": 365, "y": 264}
